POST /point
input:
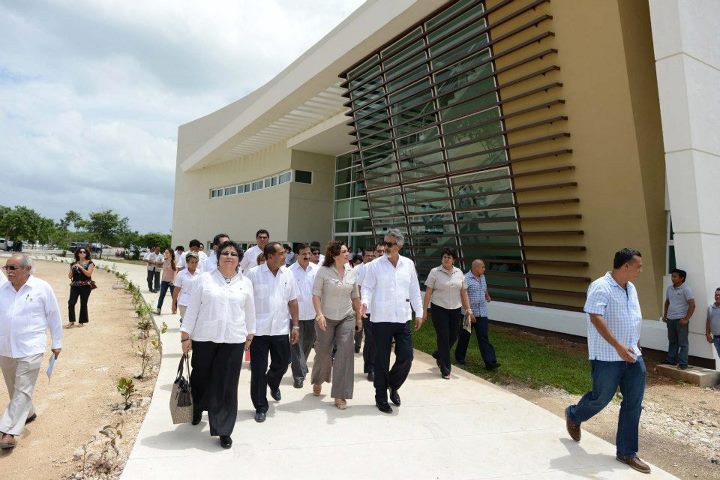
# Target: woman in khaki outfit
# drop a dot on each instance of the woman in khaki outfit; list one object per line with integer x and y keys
{"x": 336, "y": 299}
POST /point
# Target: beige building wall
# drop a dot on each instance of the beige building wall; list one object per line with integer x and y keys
{"x": 311, "y": 206}
{"x": 614, "y": 190}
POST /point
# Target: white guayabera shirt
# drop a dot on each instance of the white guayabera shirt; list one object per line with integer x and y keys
{"x": 250, "y": 258}
{"x": 220, "y": 311}
{"x": 304, "y": 278}
{"x": 202, "y": 258}
{"x": 391, "y": 291}
{"x": 25, "y": 315}
{"x": 272, "y": 294}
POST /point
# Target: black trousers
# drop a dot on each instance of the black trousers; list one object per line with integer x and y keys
{"x": 278, "y": 346}
{"x": 386, "y": 377}
{"x": 214, "y": 383}
{"x": 446, "y": 323}
{"x": 82, "y": 292}
{"x": 486, "y": 349}
{"x": 150, "y": 277}
{"x": 369, "y": 347}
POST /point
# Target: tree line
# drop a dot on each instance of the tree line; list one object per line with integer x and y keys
{"x": 106, "y": 227}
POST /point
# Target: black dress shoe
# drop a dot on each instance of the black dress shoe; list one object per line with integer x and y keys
{"x": 435, "y": 355}
{"x": 259, "y": 417}
{"x": 395, "y": 397}
{"x": 31, "y": 418}
{"x": 460, "y": 362}
{"x": 275, "y": 393}
{"x": 357, "y": 348}
{"x": 298, "y": 383}
{"x": 383, "y": 406}
{"x": 225, "y": 441}
{"x": 197, "y": 417}
{"x": 492, "y": 366}
{"x": 371, "y": 377}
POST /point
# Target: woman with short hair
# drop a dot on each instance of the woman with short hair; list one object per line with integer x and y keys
{"x": 336, "y": 299}
{"x": 446, "y": 293}
{"x": 80, "y": 276}
{"x": 219, "y": 326}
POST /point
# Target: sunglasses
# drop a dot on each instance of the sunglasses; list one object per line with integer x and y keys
{"x": 82, "y": 251}
{"x": 11, "y": 268}
{"x": 229, "y": 254}
{"x": 390, "y": 244}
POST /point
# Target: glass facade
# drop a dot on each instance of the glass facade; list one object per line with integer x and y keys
{"x": 431, "y": 153}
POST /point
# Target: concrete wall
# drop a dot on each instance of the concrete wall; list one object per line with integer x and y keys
{"x": 687, "y": 61}
{"x": 311, "y": 206}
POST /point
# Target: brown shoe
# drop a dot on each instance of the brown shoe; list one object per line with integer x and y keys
{"x": 316, "y": 390}
{"x": 635, "y": 463}
{"x": 572, "y": 427}
{"x": 340, "y": 403}
{"x": 31, "y": 418}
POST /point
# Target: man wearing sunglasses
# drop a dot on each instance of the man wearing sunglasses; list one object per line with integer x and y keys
{"x": 390, "y": 288}
{"x": 28, "y": 308}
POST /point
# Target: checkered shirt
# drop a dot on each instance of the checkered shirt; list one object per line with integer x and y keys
{"x": 621, "y": 310}
{"x": 476, "y": 294}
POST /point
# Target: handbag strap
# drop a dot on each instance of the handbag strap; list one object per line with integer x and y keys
{"x": 181, "y": 367}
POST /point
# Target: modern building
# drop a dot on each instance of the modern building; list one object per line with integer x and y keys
{"x": 539, "y": 135}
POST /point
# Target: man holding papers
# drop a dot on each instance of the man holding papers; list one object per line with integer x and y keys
{"x": 28, "y": 308}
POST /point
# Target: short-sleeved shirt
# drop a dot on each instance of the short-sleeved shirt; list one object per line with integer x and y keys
{"x": 446, "y": 287}
{"x": 336, "y": 292}
{"x": 185, "y": 281}
{"x": 477, "y": 288}
{"x": 678, "y": 298}
{"x": 620, "y": 308}
{"x": 305, "y": 279}
{"x": 272, "y": 294}
{"x": 713, "y": 315}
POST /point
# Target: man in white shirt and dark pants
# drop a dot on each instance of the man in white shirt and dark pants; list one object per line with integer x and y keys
{"x": 195, "y": 248}
{"x": 390, "y": 288}
{"x": 276, "y": 304}
{"x": 262, "y": 237}
{"x": 211, "y": 262}
{"x": 369, "y": 347}
{"x": 28, "y": 308}
{"x": 304, "y": 272}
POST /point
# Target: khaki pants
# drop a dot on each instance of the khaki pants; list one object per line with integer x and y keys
{"x": 20, "y": 377}
{"x": 340, "y": 333}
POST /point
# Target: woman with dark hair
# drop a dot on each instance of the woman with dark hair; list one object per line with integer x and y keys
{"x": 80, "y": 277}
{"x": 220, "y": 323}
{"x": 336, "y": 299}
{"x": 168, "y": 277}
{"x": 445, "y": 293}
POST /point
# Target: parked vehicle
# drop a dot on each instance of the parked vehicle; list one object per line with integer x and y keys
{"x": 5, "y": 244}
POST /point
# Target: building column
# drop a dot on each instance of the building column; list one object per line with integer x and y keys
{"x": 687, "y": 62}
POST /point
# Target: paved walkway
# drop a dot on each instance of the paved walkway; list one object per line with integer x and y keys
{"x": 458, "y": 429}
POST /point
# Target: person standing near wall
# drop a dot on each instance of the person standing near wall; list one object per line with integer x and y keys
{"x": 211, "y": 262}
{"x": 195, "y": 248}
{"x": 679, "y": 307}
{"x": 262, "y": 237}
{"x": 369, "y": 345}
{"x": 304, "y": 271}
{"x": 712, "y": 323}
{"x": 184, "y": 283}
{"x": 614, "y": 322}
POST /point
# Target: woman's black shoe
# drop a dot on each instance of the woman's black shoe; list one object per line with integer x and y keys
{"x": 225, "y": 441}
{"x": 197, "y": 417}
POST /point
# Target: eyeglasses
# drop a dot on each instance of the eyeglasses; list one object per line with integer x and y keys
{"x": 390, "y": 244}
{"x": 229, "y": 254}
{"x": 82, "y": 251}
{"x": 11, "y": 268}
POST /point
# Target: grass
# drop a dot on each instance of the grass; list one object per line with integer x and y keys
{"x": 526, "y": 360}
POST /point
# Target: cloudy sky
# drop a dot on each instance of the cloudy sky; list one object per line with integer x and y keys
{"x": 92, "y": 91}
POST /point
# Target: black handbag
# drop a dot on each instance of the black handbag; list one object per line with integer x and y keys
{"x": 181, "y": 405}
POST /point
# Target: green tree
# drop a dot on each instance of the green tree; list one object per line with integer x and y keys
{"x": 22, "y": 223}
{"x": 72, "y": 218}
{"x": 106, "y": 226}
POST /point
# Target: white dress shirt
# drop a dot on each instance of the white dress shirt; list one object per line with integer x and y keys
{"x": 219, "y": 311}
{"x": 250, "y": 258}
{"x": 25, "y": 315}
{"x": 150, "y": 257}
{"x": 390, "y": 291}
{"x": 210, "y": 262}
{"x": 202, "y": 257}
{"x": 304, "y": 278}
{"x": 186, "y": 282}
{"x": 2, "y": 279}
{"x": 361, "y": 270}
{"x": 272, "y": 294}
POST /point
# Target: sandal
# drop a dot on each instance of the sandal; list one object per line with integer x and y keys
{"x": 340, "y": 403}
{"x": 69, "y": 325}
{"x": 316, "y": 390}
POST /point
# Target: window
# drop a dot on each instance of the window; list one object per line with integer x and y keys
{"x": 284, "y": 177}
{"x": 267, "y": 183}
{"x": 230, "y": 190}
{"x": 257, "y": 185}
{"x": 273, "y": 181}
{"x": 302, "y": 176}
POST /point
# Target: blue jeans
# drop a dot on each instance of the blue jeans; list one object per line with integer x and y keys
{"x": 164, "y": 287}
{"x": 716, "y": 342}
{"x": 606, "y": 378}
{"x": 678, "y": 344}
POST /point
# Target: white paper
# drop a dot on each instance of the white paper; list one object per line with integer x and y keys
{"x": 52, "y": 364}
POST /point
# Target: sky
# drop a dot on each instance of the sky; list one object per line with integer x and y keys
{"x": 92, "y": 91}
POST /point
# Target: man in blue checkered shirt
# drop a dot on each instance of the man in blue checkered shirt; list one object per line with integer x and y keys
{"x": 614, "y": 323}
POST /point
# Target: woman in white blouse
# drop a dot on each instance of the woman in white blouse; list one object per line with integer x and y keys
{"x": 446, "y": 293}
{"x": 336, "y": 299}
{"x": 218, "y": 326}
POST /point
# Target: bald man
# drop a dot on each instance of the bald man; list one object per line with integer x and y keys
{"x": 479, "y": 298}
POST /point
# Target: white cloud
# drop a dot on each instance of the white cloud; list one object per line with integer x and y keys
{"x": 92, "y": 92}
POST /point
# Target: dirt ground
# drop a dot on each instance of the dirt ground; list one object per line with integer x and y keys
{"x": 78, "y": 401}
{"x": 679, "y": 427}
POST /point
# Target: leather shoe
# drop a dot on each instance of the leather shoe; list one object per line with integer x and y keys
{"x": 572, "y": 427}
{"x": 275, "y": 394}
{"x": 8, "y": 441}
{"x": 259, "y": 417}
{"x": 460, "y": 362}
{"x": 225, "y": 441}
{"x": 635, "y": 463}
{"x": 383, "y": 407}
{"x": 371, "y": 377}
{"x": 298, "y": 383}
{"x": 31, "y": 418}
{"x": 357, "y": 348}
{"x": 197, "y": 417}
{"x": 493, "y": 366}
{"x": 395, "y": 397}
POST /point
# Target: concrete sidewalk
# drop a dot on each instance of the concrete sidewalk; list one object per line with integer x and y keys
{"x": 458, "y": 429}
